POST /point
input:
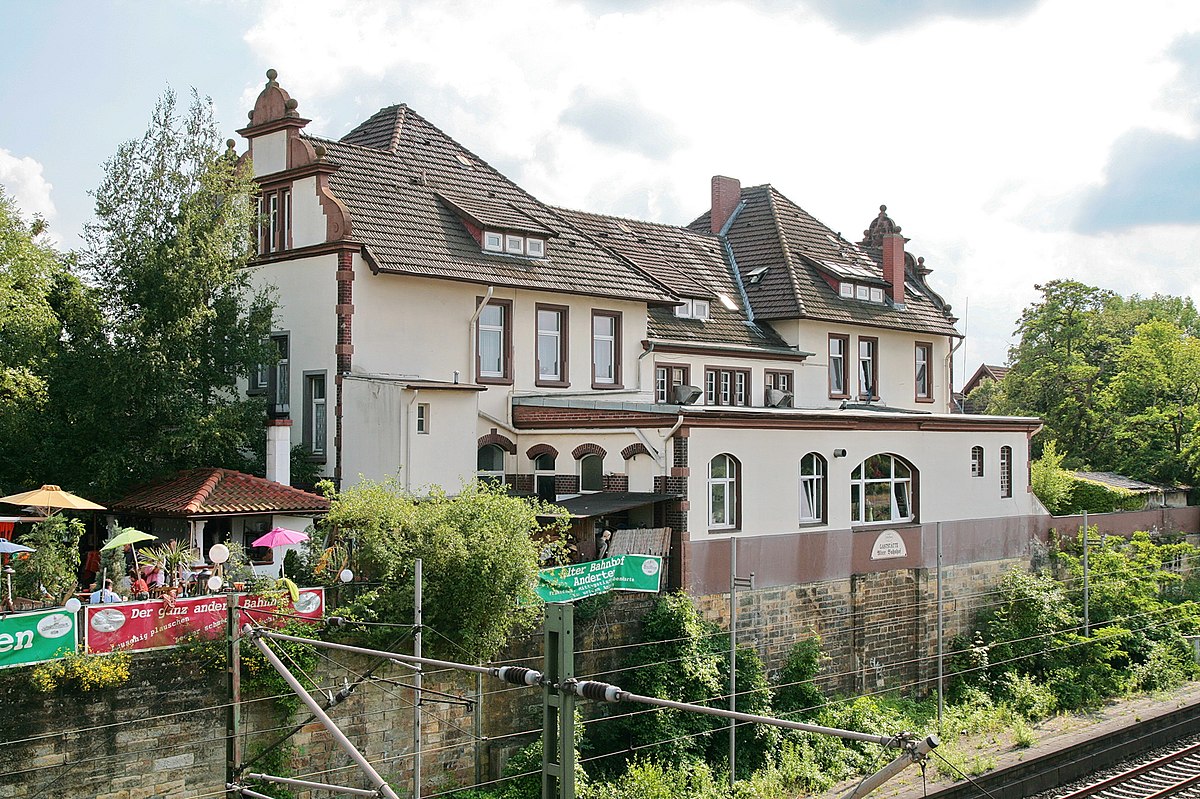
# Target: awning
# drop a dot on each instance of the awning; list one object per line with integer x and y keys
{"x": 603, "y": 503}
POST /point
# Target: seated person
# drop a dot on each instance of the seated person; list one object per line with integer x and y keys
{"x": 138, "y": 586}
{"x": 104, "y": 595}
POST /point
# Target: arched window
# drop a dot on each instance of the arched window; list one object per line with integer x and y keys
{"x": 977, "y": 461}
{"x": 591, "y": 473}
{"x": 812, "y": 488}
{"x": 1006, "y": 472}
{"x": 491, "y": 463}
{"x": 543, "y": 476}
{"x": 881, "y": 490}
{"x": 723, "y": 488}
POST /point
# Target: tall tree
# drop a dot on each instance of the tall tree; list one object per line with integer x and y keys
{"x": 167, "y": 252}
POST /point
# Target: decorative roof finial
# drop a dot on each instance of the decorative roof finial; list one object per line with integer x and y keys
{"x": 881, "y": 226}
{"x": 271, "y": 76}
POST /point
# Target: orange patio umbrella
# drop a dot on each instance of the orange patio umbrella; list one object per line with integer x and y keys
{"x": 51, "y": 496}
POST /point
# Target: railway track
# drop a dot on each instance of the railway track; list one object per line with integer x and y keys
{"x": 1172, "y": 774}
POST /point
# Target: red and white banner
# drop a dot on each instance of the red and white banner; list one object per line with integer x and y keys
{"x": 157, "y": 624}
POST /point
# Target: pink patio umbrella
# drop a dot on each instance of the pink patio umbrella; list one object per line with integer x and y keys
{"x": 279, "y": 537}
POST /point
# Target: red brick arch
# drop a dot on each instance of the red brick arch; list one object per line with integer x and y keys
{"x": 588, "y": 449}
{"x": 633, "y": 450}
{"x": 504, "y": 442}
{"x": 537, "y": 450}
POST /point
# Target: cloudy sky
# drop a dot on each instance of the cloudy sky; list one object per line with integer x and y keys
{"x": 1015, "y": 141}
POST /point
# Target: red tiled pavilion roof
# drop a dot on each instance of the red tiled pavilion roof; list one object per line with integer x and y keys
{"x": 208, "y": 491}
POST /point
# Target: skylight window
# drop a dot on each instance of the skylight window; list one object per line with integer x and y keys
{"x": 462, "y": 159}
{"x": 728, "y": 303}
{"x": 755, "y": 276}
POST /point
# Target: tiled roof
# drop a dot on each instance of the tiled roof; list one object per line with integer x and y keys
{"x": 781, "y": 252}
{"x": 692, "y": 266}
{"x": 392, "y": 169}
{"x": 204, "y": 491}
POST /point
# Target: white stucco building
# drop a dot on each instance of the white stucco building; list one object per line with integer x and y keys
{"x": 752, "y": 375}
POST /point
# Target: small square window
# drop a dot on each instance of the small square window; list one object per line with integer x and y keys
{"x": 423, "y": 418}
{"x": 846, "y": 290}
{"x": 492, "y": 242}
{"x": 535, "y": 248}
{"x": 514, "y": 245}
{"x": 876, "y": 295}
{"x": 863, "y": 292}
{"x": 684, "y": 311}
{"x": 699, "y": 309}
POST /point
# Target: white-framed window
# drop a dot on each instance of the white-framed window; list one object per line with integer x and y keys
{"x": 868, "y": 368}
{"x": 838, "y": 373}
{"x": 490, "y": 465}
{"x": 862, "y": 292}
{"x": 723, "y": 489}
{"x": 1006, "y": 472}
{"x": 275, "y": 221}
{"x": 700, "y": 309}
{"x": 881, "y": 490}
{"x": 922, "y": 354}
{"x": 551, "y": 344}
{"x": 492, "y": 241}
{"x": 514, "y": 245}
{"x": 535, "y": 248}
{"x": 876, "y": 294}
{"x": 726, "y": 387}
{"x": 315, "y": 414}
{"x": 812, "y": 488}
{"x": 495, "y": 340}
{"x": 423, "y": 418}
{"x": 591, "y": 473}
{"x": 606, "y": 357}
{"x": 977, "y": 461}
{"x": 846, "y": 290}
{"x": 666, "y": 380}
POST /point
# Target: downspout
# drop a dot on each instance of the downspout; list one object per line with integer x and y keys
{"x": 950, "y": 374}
{"x": 471, "y": 331}
{"x": 409, "y": 430}
{"x": 666, "y": 438}
{"x": 649, "y": 349}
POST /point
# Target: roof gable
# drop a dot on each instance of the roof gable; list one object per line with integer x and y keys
{"x": 412, "y": 191}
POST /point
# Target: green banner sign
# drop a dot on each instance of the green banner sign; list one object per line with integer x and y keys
{"x": 27, "y": 638}
{"x": 618, "y": 573}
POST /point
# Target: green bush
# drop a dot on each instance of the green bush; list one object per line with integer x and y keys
{"x": 1027, "y": 697}
{"x": 797, "y": 695}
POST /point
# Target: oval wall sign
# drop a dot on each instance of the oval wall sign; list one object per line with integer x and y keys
{"x": 889, "y": 544}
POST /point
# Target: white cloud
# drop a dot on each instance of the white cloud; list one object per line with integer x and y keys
{"x": 981, "y": 135}
{"x": 22, "y": 178}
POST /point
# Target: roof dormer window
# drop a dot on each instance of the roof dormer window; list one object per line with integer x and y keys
{"x": 493, "y": 242}
{"x": 535, "y": 248}
{"x": 862, "y": 292}
{"x": 693, "y": 309}
{"x": 846, "y": 290}
{"x": 514, "y": 245}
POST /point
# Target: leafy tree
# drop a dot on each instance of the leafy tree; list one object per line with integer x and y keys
{"x": 1050, "y": 482}
{"x": 156, "y": 389}
{"x": 50, "y": 571}
{"x": 1155, "y": 402}
{"x": 479, "y": 561}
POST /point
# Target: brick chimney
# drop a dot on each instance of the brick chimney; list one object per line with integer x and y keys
{"x": 885, "y": 234}
{"x": 726, "y": 194}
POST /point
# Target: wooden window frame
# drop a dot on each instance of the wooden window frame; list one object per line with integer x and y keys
{"x": 858, "y": 359}
{"x": 423, "y": 419}
{"x": 1006, "y": 473}
{"x": 669, "y": 368}
{"x": 927, "y": 348}
{"x": 721, "y": 386}
{"x": 771, "y": 380}
{"x": 845, "y": 392}
{"x": 309, "y": 416}
{"x": 822, "y": 480}
{"x": 616, "y": 316}
{"x": 275, "y": 226}
{"x": 564, "y": 348}
{"x": 506, "y": 344}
